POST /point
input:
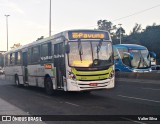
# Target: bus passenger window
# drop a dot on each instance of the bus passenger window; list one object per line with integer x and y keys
{"x": 12, "y": 58}
{"x": 18, "y": 58}
{"x": 46, "y": 52}
{"x": 35, "y": 55}
{"x": 126, "y": 60}
{"x": 29, "y": 55}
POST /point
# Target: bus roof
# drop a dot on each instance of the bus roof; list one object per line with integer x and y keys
{"x": 61, "y": 34}
{"x": 130, "y": 46}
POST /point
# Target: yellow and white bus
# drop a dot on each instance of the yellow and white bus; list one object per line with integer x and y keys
{"x": 74, "y": 60}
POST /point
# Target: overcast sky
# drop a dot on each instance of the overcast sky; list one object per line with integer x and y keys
{"x": 29, "y": 19}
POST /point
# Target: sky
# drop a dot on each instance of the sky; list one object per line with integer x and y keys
{"x": 29, "y": 19}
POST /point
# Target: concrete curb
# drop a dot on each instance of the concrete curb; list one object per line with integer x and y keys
{"x": 149, "y": 75}
{"x": 133, "y": 80}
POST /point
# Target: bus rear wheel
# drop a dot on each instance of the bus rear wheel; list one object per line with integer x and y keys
{"x": 48, "y": 86}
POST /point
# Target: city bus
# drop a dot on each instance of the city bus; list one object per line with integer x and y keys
{"x": 73, "y": 60}
{"x": 132, "y": 58}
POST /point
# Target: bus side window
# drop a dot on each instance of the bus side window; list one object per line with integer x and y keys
{"x": 126, "y": 60}
{"x": 12, "y": 58}
{"x": 35, "y": 54}
{"x": 124, "y": 57}
{"x": 29, "y": 55}
{"x": 17, "y": 58}
{"x": 46, "y": 52}
{"x": 6, "y": 60}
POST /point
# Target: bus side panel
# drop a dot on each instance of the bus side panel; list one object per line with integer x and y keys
{"x": 32, "y": 72}
{"x": 40, "y": 75}
{"x": 41, "y": 72}
{"x": 11, "y": 71}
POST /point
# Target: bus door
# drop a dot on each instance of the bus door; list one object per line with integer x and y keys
{"x": 25, "y": 64}
{"x": 59, "y": 63}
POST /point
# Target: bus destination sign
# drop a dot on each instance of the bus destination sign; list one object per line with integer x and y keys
{"x": 73, "y": 35}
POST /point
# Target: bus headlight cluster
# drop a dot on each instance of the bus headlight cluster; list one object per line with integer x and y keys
{"x": 71, "y": 76}
{"x": 111, "y": 75}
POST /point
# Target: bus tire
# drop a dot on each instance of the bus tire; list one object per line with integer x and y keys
{"x": 48, "y": 86}
{"x": 17, "y": 81}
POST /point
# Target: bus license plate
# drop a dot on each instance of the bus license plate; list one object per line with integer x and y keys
{"x": 93, "y": 84}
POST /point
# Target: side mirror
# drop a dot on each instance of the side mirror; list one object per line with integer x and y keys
{"x": 129, "y": 54}
{"x": 67, "y": 48}
{"x": 152, "y": 54}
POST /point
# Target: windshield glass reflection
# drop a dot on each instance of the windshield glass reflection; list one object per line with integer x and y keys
{"x": 90, "y": 53}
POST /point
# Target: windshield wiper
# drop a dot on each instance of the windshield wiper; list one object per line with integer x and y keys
{"x": 80, "y": 49}
{"x": 145, "y": 62}
{"x": 142, "y": 60}
{"x": 98, "y": 48}
{"x": 139, "y": 62}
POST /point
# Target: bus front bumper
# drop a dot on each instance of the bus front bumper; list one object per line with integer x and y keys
{"x": 90, "y": 85}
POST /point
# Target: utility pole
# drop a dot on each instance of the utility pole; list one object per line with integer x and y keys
{"x": 50, "y": 19}
{"x": 120, "y": 38}
{"x": 7, "y": 29}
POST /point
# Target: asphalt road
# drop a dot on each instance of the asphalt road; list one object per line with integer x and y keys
{"x": 127, "y": 98}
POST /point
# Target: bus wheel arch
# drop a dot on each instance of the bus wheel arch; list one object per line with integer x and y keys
{"x": 48, "y": 85}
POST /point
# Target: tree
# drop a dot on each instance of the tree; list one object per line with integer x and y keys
{"x": 149, "y": 37}
{"x": 136, "y": 29}
{"x": 104, "y": 25}
{"x": 40, "y": 38}
{"x": 16, "y": 45}
{"x": 120, "y": 30}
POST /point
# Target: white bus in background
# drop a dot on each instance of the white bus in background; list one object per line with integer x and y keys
{"x": 75, "y": 60}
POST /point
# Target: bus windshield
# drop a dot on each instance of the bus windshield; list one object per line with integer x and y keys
{"x": 90, "y": 54}
{"x": 141, "y": 59}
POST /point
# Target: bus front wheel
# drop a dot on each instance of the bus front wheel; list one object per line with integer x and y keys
{"x": 48, "y": 86}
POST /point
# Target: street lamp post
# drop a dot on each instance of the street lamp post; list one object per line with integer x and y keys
{"x": 50, "y": 20}
{"x": 7, "y": 29}
{"x": 120, "y": 38}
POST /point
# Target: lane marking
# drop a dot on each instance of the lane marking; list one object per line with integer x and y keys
{"x": 72, "y": 104}
{"x": 150, "y": 89}
{"x": 139, "y": 98}
{"x": 133, "y": 120}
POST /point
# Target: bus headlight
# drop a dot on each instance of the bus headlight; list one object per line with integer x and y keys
{"x": 71, "y": 76}
{"x": 111, "y": 75}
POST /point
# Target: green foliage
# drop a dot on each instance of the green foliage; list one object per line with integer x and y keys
{"x": 136, "y": 29}
{"x": 120, "y": 30}
{"x": 104, "y": 25}
{"x": 149, "y": 37}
